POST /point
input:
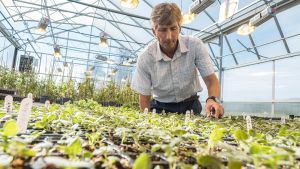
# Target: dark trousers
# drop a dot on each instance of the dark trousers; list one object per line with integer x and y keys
{"x": 191, "y": 103}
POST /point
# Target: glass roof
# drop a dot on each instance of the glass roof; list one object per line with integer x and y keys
{"x": 75, "y": 25}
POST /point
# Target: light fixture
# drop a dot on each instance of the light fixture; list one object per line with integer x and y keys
{"x": 92, "y": 68}
{"x": 188, "y": 18}
{"x": 59, "y": 70}
{"x": 57, "y": 52}
{"x": 199, "y": 5}
{"x": 255, "y": 21}
{"x": 66, "y": 64}
{"x": 42, "y": 25}
{"x": 100, "y": 57}
{"x": 262, "y": 17}
{"x": 245, "y": 29}
{"x": 103, "y": 39}
{"x": 130, "y": 3}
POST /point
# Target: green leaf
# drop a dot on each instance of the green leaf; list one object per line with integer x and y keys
{"x": 209, "y": 162}
{"x": 234, "y": 164}
{"x": 142, "y": 162}
{"x": 87, "y": 154}
{"x": 178, "y": 132}
{"x": 240, "y": 135}
{"x": 10, "y": 128}
{"x": 217, "y": 134}
{"x": 156, "y": 147}
{"x": 74, "y": 148}
{"x": 39, "y": 125}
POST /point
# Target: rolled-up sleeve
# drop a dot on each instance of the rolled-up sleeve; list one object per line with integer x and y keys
{"x": 141, "y": 80}
{"x": 202, "y": 59}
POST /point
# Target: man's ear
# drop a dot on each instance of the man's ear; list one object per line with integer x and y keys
{"x": 153, "y": 31}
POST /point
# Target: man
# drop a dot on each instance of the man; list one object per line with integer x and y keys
{"x": 168, "y": 68}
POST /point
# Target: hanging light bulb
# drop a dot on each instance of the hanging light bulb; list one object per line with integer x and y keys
{"x": 42, "y": 25}
{"x": 57, "y": 51}
{"x": 103, "y": 39}
{"x": 130, "y": 3}
{"x": 110, "y": 61}
{"x": 245, "y": 29}
{"x": 188, "y": 18}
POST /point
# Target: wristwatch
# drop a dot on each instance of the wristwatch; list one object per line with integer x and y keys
{"x": 214, "y": 98}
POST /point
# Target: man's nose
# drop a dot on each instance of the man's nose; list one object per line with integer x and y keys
{"x": 168, "y": 34}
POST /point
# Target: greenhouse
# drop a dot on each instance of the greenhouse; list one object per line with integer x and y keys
{"x": 129, "y": 84}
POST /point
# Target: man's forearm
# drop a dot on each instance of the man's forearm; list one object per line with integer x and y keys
{"x": 213, "y": 86}
{"x": 144, "y": 102}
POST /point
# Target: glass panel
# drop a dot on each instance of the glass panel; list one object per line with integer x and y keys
{"x": 266, "y": 32}
{"x": 289, "y": 21}
{"x": 293, "y": 43}
{"x": 271, "y": 50}
{"x": 287, "y": 79}
{"x": 245, "y": 84}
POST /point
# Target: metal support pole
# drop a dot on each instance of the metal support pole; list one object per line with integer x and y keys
{"x": 221, "y": 67}
{"x": 14, "y": 59}
{"x": 273, "y": 90}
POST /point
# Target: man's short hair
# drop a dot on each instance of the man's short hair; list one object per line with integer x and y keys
{"x": 165, "y": 14}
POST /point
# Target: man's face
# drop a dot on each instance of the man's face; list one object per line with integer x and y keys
{"x": 167, "y": 36}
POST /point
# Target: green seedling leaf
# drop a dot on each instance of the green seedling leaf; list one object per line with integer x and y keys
{"x": 156, "y": 147}
{"x": 74, "y": 148}
{"x": 216, "y": 135}
{"x": 209, "y": 162}
{"x": 142, "y": 162}
{"x": 240, "y": 135}
{"x": 178, "y": 132}
{"x": 234, "y": 164}
{"x": 10, "y": 128}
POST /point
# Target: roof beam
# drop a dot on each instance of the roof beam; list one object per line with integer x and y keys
{"x": 241, "y": 17}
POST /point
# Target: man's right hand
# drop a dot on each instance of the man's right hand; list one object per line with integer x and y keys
{"x": 214, "y": 109}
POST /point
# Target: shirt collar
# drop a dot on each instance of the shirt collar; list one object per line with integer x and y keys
{"x": 181, "y": 45}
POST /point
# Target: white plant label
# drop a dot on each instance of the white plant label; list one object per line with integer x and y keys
{"x": 24, "y": 114}
{"x": 249, "y": 123}
{"x": 47, "y": 104}
{"x": 146, "y": 110}
{"x": 282, "y": 120}
{"x": 8, "y": 104}
{"x": 154, "y": 111}
{"x": 244, "y": 115}
{"x": 187, "y": 116}
{"x": 29, "y": 95}
{"x": 192, "y": 112}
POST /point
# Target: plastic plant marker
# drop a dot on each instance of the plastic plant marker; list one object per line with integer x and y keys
{"x": 249, "y": 123}
{"x": 282, "y": 120}
{"x": 187, "y": 117}
{"x": 47, "y": 104}
{"x": 30, "y": 96}
{"x": 146, "y": 111}
{"x": 8, "y": 104}
{"x": 154, "y": 111}
{"x": 23, "y": 116}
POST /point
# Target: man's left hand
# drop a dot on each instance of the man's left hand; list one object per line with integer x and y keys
{"x": 214, "y": 109}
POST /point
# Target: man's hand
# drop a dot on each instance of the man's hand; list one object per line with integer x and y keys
{"x": 214, "y": 109}
{"x": 144, "y": 102}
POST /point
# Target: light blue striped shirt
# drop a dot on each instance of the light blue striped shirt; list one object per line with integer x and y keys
{"x": 172, "y": 80}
